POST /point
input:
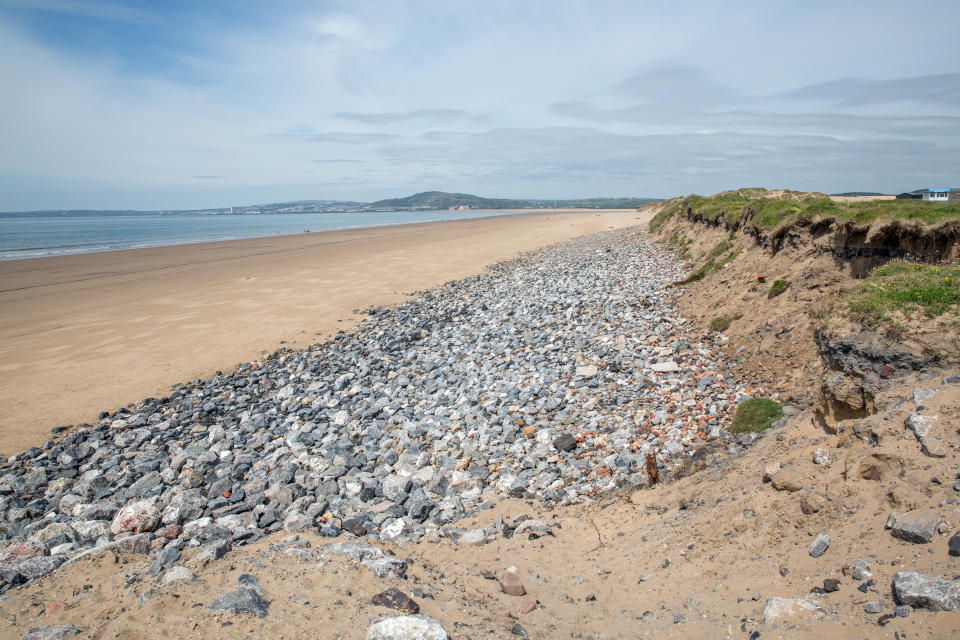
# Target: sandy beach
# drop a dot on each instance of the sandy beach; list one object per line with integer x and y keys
{"x": 88, "y": 333}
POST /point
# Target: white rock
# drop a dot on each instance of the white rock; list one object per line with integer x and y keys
{"x": 177, "y": 573}
{"x": 532, "y": 526}
{"x": 416, "y": 627}
{"x": 789, "y": 607}
{"x": 588, "y": 371}
{"x": 475, "y": 536}
{"x": 665, "y": 367}
{"x": 396, "y": 530}
{"x": 297, "y": 521}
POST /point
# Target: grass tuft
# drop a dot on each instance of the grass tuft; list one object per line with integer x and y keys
{"x": 722, "y": 323}
{"x": 755, "y": 415}
{"x": 778, "y": 287}
{"x": 907, "y": 288}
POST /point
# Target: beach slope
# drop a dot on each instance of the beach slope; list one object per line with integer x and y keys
{"x": 87, "y": 333}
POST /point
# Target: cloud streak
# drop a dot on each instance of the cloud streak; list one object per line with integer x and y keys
{"x": 432, "y": 115}
{"x": 941, "y": 89}
{"x": 182, "y": 104}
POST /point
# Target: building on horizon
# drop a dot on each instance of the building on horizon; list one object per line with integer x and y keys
{"x": 932, "y": 195}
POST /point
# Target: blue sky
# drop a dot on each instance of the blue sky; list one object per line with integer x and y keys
{"x": 200, "y": 104}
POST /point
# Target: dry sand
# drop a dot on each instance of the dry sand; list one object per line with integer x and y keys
{"x": 861, "y": 198}
{"x": 87, "y": 333}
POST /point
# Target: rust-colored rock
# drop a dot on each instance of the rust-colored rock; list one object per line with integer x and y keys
{"x": 653, "y": 474}
{"x": 22, "y": 550}
{"x": 170, "y": 533}
{"x": 53, "y": 607}
{"x": 510, "y": 584}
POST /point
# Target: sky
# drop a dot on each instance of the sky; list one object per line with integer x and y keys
{"x": 185, "y": 104}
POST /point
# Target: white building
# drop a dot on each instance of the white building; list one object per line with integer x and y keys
{"x": 938, "y": 195}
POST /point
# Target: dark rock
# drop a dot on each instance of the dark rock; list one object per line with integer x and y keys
{"x": 953, "y": 547}
{"x": 395, "y": 599}
{"x": 243, "y": 600}
{"x": 166, "y": 556}
{"x": 873, "y": 607}
{"x": 565, "y": 442}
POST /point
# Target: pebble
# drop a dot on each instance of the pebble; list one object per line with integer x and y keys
{"x": 387, "y": 567}
{"x": 510, "y": 583}
{"x": 409, "y": 423}
{"x": 819, "y": 546}
{"x": 861, "y": 570}
{"x": 873, "y": 607}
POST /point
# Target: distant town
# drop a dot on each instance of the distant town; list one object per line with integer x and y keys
{"x": 424, "y": 201}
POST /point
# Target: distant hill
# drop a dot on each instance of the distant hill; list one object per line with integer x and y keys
{"x": 444, "y": 200}
{"x": 418, "y": 201}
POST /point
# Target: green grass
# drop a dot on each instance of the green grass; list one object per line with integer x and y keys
{"x": 712, "y": 264}
{"x": 722, "y": 247}
{"x": 908, "y": 288}
{"x": 681, "y": 244}
{"x": 722, "y": 322}
{"x": 666, "y": 214}
{"x": 755, "y": 414}
{"x": 731, "y": 206}
{"x": 778, "y": 287}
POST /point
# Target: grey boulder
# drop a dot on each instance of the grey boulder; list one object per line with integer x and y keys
{"x": 914, "y": 526}
{"x": 920, "y": 590}
{"x": 51, "y": 632}
{"x": 242, "y": 600}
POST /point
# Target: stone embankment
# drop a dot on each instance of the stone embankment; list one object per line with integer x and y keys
{"x": 557, "y": 376}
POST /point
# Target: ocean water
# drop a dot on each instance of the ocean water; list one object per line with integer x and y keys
{"x": 26, "y": 237}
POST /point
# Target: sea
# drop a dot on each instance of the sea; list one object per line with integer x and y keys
{"x": 36, "y": 237}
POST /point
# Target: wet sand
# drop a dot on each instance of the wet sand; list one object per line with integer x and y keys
{"x": 87, "y": 333}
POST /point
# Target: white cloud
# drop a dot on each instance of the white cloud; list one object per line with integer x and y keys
{"x": 286, "y": 103}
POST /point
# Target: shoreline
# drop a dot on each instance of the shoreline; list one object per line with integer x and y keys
{"x": 493, "y": 213}
{"x": 84, "y": 333}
